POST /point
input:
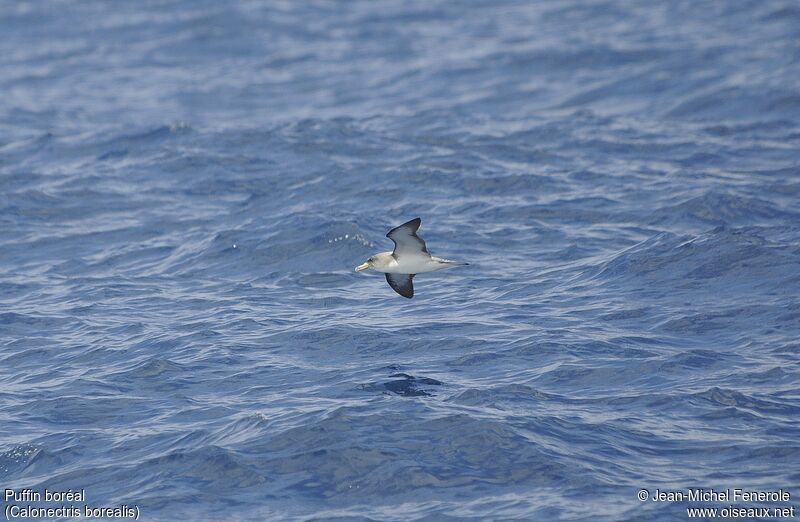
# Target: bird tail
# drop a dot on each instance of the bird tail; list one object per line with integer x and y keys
{"x": 451, "y": 262}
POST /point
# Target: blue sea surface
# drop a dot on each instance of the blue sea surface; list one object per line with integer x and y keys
{"x": 186, "y": 187}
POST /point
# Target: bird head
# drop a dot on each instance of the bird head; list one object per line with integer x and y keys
{"x": 366, "y": 264}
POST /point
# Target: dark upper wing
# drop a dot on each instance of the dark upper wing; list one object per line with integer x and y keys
{"x": 401, "y": 283}
{"x": 406, "y": 239}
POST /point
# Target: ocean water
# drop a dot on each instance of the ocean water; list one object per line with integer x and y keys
{"x": 186, "y": 187}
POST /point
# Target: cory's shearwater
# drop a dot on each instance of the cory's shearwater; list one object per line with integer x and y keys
{"x": 409, "y": 258}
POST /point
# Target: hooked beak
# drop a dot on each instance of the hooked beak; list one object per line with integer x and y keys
{"x": 362, "y": 266}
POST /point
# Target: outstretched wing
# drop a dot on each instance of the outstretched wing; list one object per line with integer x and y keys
{"x": 406, "y": 240}
{"x": 401, "y": 283}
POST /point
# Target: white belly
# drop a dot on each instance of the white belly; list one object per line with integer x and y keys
{"x": 413, "y": 265}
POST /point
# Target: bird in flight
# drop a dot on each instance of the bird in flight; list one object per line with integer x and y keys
{"x": 409, "y": 258}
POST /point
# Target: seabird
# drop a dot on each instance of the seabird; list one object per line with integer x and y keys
{"x": 409, "y": 258}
